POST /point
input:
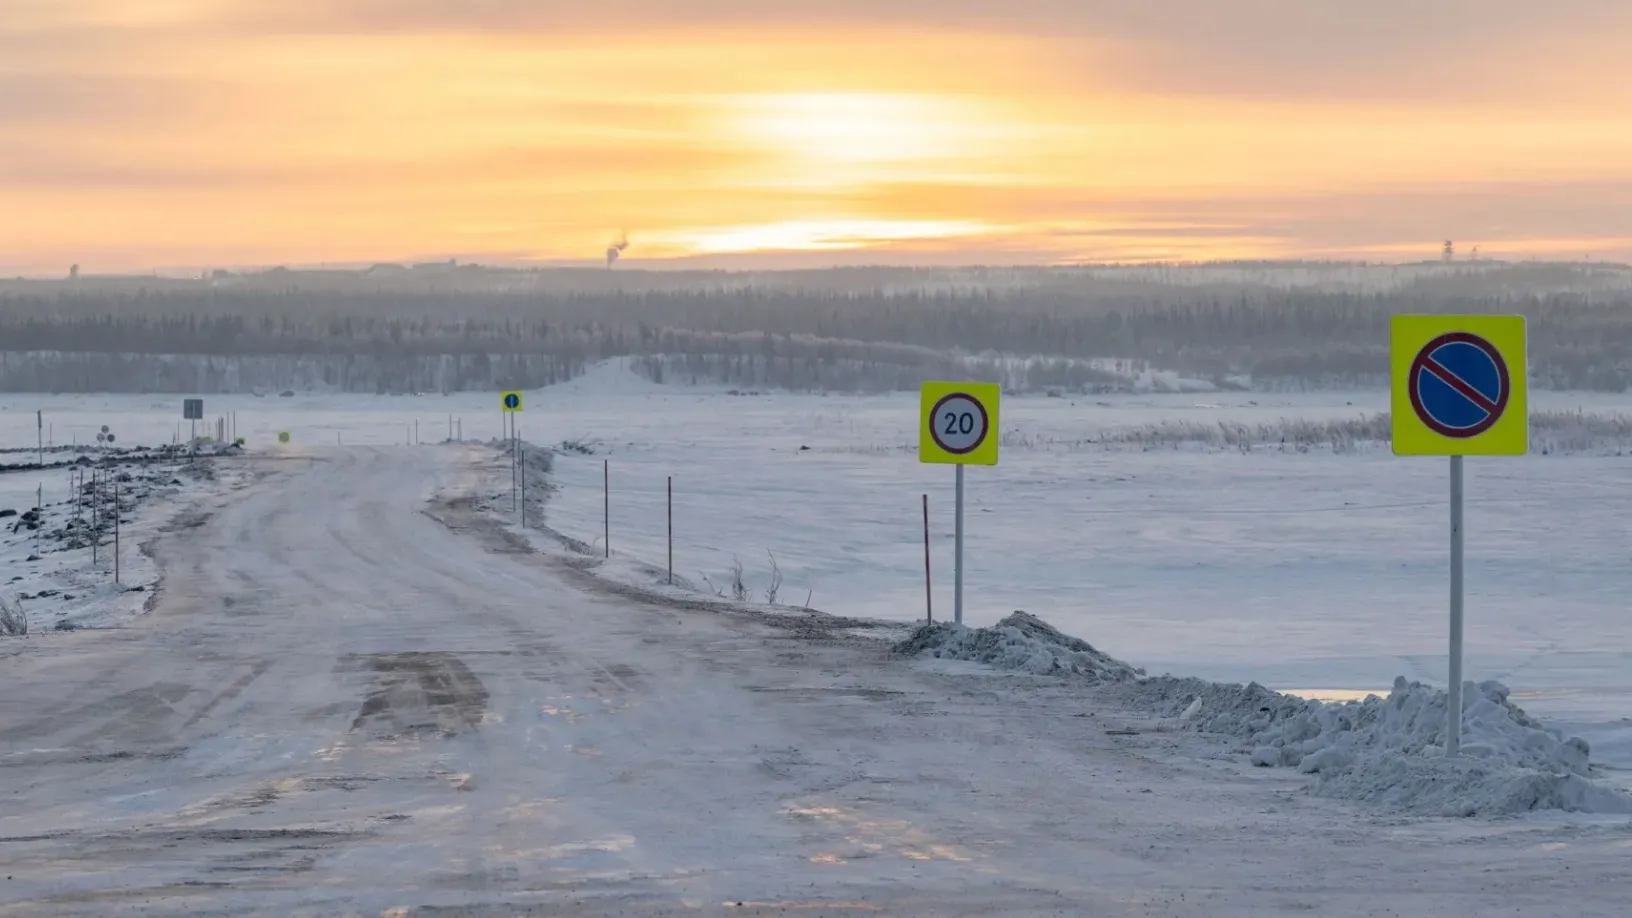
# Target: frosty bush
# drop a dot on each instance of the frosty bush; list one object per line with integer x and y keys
{"x": 13, "y": 620}
{"x": 1550, "y": 432}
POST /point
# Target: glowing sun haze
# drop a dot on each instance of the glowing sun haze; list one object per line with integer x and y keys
{"x": 187, "y": 133}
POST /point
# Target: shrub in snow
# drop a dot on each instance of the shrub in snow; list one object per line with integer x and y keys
{"x": 1019, "y": 642}
{"x": 13, "y": 620}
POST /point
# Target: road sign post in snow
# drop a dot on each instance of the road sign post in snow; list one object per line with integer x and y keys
{"x": 283, "y": 436}
{"x": 192, "y": 409}
{"x": 957, "y": 425}
{"x": 1458, "y": 388}
{"x": 510, "y": 404}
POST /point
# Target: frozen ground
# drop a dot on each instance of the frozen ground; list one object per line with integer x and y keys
{"x": 358, "y": 696}
{"x": 1319, "y": 573}
{"x": 47, "y": 557}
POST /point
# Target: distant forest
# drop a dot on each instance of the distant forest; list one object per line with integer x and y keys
{"x": 1267, "y": 327}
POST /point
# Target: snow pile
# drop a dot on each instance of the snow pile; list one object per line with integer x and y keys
{"x": 1020, "y": 642}
{"x": 1390, "y": 750}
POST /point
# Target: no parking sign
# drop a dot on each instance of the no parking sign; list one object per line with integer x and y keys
{"x": 1458, "y": 386}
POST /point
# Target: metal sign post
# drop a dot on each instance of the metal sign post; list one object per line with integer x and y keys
{"x": 956, "y": 424}
{"x": 929, "y": 596}
{"x": 1453, "y": 701}
{"x": 1454, "y": 395}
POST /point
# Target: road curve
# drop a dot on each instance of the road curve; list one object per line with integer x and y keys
{"x": 343, "y": 706}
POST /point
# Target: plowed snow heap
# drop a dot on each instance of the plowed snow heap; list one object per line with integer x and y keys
{"x": 1020, "y": 642}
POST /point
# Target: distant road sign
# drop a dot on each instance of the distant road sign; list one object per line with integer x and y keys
{"x": 192, "y": 409}
{"x": 283, "y": 436}
{"x": 1458, "y": 385}
{"x": 511, "y": 400}
{"x": 958, "y": 423}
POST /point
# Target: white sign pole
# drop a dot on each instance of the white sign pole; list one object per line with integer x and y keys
{"x": 1453, "y": 710}
{"x": 957, "y": 553}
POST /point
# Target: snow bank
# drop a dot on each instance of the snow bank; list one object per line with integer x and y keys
{"x": 1020, "y": 642}
{"x": 1390, "y": 750}
{"x": 1387, "y": 751}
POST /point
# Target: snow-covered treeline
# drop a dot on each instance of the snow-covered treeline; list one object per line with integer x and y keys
{"x": 1030, "y": 329}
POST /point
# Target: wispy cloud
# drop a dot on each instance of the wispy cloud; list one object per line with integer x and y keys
{"x": 149, "y": 130}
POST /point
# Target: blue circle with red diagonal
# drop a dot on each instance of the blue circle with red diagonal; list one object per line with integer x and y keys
{"x": 1459, "y": 385}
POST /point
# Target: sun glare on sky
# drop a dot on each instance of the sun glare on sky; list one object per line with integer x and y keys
{"x": 205, "y": 133}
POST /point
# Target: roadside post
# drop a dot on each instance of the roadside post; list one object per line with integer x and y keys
{"x": 192, "y": 411}
{"x": 1458, "y": 387}
{"x": 958, "y": 426}
{"x": 509, "y": 406}
{"x": 929, "y": 594}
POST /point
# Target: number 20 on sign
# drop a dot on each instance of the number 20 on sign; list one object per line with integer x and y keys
{"x": 957, "y": 425}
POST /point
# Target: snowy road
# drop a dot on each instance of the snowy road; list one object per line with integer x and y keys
{"x": 344, "y": 706}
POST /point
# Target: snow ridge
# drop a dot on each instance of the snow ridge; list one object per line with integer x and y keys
{"x": 1387, "y": 751}
{"x": 1019, "y": 642}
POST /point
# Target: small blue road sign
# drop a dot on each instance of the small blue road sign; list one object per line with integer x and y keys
{"x": 1459, "y": 385}
{"x": 512, "y": 401}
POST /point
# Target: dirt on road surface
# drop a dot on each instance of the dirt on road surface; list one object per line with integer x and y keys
{"x": 344, "y": 706}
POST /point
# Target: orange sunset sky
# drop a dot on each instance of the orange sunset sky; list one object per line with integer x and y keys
{"x": 141, "y": 134}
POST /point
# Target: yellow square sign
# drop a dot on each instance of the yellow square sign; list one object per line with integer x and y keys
{"x": 1458, "y": 385}
{"x": 957, "y": 423}
{"x": 510, "y": 400}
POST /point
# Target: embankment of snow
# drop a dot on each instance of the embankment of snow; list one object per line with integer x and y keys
{"x": 1019, "y": 642}
{"x": 1391, "y": 750}
{"x": 1387, "y": 751}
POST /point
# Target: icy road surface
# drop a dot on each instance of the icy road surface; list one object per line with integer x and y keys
{"x": 343, "y": 706}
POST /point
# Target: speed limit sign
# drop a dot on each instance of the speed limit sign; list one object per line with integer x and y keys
{"x": 958, "y": 425}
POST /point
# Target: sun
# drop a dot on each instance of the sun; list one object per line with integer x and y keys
{"x": 859, "y": 136}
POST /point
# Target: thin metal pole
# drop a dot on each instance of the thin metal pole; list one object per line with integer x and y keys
{"x": 524, "y": 492}
{"x": 39, "y": 431}
{"x": 671, "y": 530}
{"x": 606, "y": 505}
{"x": 96, "y": 521}
{"x": 116, "y": 515}
{"x": 1453, "y": 711}
{"x": 514, "y": 472}
{"x": 929, "y": 596}
{"x": 957, "y": 577}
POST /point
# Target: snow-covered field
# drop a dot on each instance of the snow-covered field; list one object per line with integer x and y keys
{"x": 1318, "y": 573}
{"x": 50, "y": 562}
